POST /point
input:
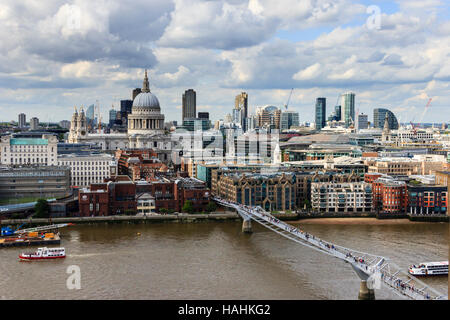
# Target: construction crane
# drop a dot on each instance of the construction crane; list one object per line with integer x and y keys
{"x": 337, "y": 101}
{"x": 425, "y": 111}
{"x": 414, "y": 128}
{"x": 289, "y": 99}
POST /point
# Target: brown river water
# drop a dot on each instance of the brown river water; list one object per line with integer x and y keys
{"x": 214, "y": 260}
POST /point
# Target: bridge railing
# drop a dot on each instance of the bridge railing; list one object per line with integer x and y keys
{"x": 391, "y": 275}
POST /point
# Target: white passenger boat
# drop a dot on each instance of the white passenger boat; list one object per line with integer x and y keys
{"x": 429, "y": 269}
{"x": 44, "y": 254}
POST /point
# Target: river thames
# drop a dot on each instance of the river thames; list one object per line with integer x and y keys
{"x": 214, "y": 260}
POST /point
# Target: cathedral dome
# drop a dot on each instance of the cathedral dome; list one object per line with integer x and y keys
{"x": 145, "y": 117}
{"x": 146, "y": 100}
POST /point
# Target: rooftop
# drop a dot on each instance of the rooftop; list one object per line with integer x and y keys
{"x": 28, "y": 141}
{"x": 84, "y": 155}
{"x": 320, "y": 138}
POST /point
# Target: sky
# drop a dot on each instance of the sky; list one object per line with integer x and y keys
{"x": 55, "y": 55}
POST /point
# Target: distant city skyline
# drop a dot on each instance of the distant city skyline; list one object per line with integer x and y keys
{"x": 59, "y": 63}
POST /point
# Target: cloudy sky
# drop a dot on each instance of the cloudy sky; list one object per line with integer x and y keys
{"x": 55, "y": 55}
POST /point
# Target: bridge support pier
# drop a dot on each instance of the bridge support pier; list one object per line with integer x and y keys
{"x": 364, "y": 292}
{"x": 247, "y": 226}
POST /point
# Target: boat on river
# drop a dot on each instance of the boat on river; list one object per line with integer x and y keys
{"x": 44, "y": 254}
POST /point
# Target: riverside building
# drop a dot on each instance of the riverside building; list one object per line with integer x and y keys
{"x": 341, "y": 197}
{"x": 34, "y": 182}
{"x": 28, "y": 149}
{"x": 89, "y": 168}
{"x": 271, "y": 189}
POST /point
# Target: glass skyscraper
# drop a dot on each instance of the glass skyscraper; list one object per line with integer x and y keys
{"x": 112, "y": 117}
{"x": 362, "y": 122}
{"x": 241, "y": 104}
{"x": 337, "y": 113}
{"x": 189, "y": 105}
{"x": 289, "y": 119}
{"x": 90, "y": 112}
{"x": 348, "y": 108}
{"x": 321, "y": 110}
{"x": 379, "y": 114}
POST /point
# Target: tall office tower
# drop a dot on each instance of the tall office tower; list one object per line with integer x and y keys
{"x": 135, "y": 93}
{"x": 379, "y": 115}
{"x": 34, "y": 123}
{"x": 203, "y": 115}
{"x": 125, "y": 109}
{"x": 362, "y": 122}
{"x": 289, "y": 119}
{"x": 91, "y": 119}
{"x": 118, "y": 118}
{"x": 90, "y": 112}
{"x": 276, "y": 119}
{"x": 268, "y": 117}
{"x": 65, "y": 124}
{"x": 251, "y": 123}
{"x": 22, "y": 120}
{"x": 348, "y": 105}
{"x": 189, "y": 105}
{"x": 337, "y": 113}
{"x": 112, "y": 116}
{"x": 321, "y": 110}
{"x": 241, "y": 104}
{"x": 237, "y": 117}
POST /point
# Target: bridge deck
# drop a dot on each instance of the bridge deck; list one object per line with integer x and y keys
{"x": 367, "y": 265}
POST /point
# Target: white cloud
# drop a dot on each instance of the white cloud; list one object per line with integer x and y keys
{"x": 310, "y": 72}
{"x": 220, "y": 48}
{"x": 214, "y": 24}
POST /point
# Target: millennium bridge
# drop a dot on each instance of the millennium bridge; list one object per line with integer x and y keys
{"x": 373, "y": 270}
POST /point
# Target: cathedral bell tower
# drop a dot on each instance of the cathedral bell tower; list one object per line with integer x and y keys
{"x": 81, "y": 124}
{"x": 73, "y": 127}
{"x": 385, "y": 136}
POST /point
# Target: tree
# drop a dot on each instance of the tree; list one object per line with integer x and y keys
{"x": 188, "y": 207}
{"x": 42, "y": 209}
{"x": 163, "y": 210}
{"x": 211, "y": 206}
{"x": 307, "y": 204}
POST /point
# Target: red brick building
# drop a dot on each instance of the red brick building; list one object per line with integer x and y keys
{"x": 163, "y": 190}
{"x": 93, "y": 203}
{"x": 171, "y": 193}
{"x": 116, "y": 196}
{"x": 371, "y": 177}
{"x": 139, "y": 164}
{"x": 193, "y": 190}
{"x": 428, "y": 199}
{"x": 389, "y": 195}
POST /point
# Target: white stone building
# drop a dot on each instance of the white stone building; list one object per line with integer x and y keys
{"x": 145, "y": 204}
{"x": 341, "y": 197}
{"x": 89, "y": 168}
{"x": 145, "y": 128}
{"x": 29, "y": 150}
